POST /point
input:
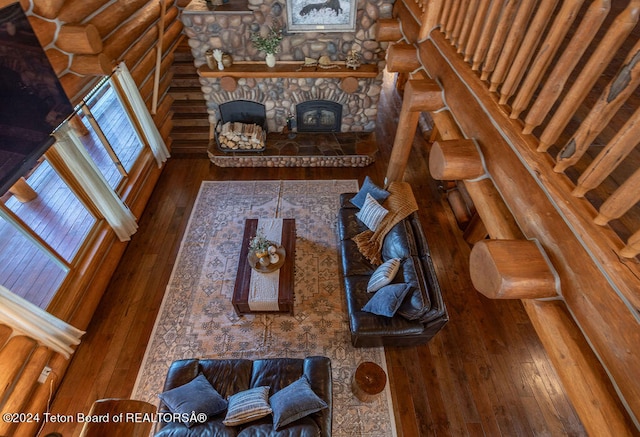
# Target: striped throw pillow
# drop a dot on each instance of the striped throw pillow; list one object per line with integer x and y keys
{"x": 383, "y": 275}
{"x": 371, "y": 213}
{"x": 248, "y": 405}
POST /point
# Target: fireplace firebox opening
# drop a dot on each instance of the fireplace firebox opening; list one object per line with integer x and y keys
{"x": 319, "y": 116}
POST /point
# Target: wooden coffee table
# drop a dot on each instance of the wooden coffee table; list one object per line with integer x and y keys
{"x": 241, "y": 290}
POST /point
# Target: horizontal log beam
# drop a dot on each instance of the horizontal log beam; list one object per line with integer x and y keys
{"x": 512, "y": 269}
{"x": 402, "y": 58}
{"x": 91, "y": 65}
{"x": 454, "y": 160}
{"x": 388, "y": 30}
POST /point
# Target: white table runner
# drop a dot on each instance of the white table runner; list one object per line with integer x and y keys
{"x": 263, "y": 287}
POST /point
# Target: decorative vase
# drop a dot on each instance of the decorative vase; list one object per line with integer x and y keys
{"x": 270, "y": 60}
{"x": 211, "y": 62}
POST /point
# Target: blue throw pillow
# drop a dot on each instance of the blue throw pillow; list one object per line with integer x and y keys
{"x": 196, "y": 396}
{"x": 295, "y": 401}
{"x": 387, "y": 300}
{"x": 369, "y": 187}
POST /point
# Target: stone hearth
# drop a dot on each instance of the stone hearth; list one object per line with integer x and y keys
{"x": 327, "y": 149}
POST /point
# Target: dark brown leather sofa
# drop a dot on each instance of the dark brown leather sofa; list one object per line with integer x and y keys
{"x": 234, "y": 375}
{"x": 423, "y": 312}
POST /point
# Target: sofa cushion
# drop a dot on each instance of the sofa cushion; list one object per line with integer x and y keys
{"x": 399, "y": 242}
{"x": 371, "y": 213}
{"x": 304, "y": 427}
{"x": 363, "y": 323}
{"x": 368, "y": 187}
{"x": 247, "y": 406}
{"x": 212, "y": 428}
{"x": 197, "y": 396}
{"x": 417, "y": 302}
{"x": 295, "y": 401}
{"x": 383, "y": 275}
{"x": 387, "y": 300}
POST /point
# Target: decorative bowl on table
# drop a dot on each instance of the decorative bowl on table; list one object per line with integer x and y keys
{"x": 267, "y": 261}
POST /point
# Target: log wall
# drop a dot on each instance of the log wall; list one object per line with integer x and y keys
{"x": 503, "y": 66}
{"x": 85, "y": 40}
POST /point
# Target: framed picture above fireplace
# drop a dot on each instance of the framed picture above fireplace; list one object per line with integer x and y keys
{"x": 321, "y": 15}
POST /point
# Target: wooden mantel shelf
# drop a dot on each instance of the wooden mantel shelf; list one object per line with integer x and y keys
{"x": 258, "y": 69}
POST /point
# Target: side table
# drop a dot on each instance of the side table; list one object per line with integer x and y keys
{"x": 368, "y": 380}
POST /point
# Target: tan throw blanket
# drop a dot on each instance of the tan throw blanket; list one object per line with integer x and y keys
{"x": 400, "y": 204}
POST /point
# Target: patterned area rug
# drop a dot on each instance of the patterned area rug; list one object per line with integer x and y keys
{"x": 197, "y": 319}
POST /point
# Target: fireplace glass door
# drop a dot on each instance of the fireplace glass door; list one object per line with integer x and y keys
{"x": 319, "y": 116}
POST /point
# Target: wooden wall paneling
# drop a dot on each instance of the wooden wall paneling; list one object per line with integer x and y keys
{"x": 75, "y": 11}
{"x": 45, "y": 30}
{"x": 76, "y": 87}
{"x": 118, "y": 14}
{"x": 59, "y": 61}
{"x": 79, "y": 39}
{"x": 41, "y": 396}
{"x": 91, "y": 65}
{"x": 604, "y": 316}
{"x": 549, "y": 47}
{"x": 27, "y": 382}
{"x": 526, "y": 51}
{"x": 47, "y": 8}
{"x": 556, "y": 81}
{"x": 132, "y": 34}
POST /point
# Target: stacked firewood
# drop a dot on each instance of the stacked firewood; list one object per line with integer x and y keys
{"x": 241, "y": 136}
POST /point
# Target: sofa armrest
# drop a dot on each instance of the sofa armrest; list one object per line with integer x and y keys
{"x": 318, "y": 372}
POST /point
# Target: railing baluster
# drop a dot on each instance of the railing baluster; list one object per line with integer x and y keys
{"x": 527, "y": 49}
{"x": 468, "y": 23}
{"x": 514, "y": 39}
{"x": 553, "y": 86}
{"x": 464, "y": 6}
{"x": 488, "y": 32}
{"x": 476, "y": 30}
{"x": 497, "y": 43}
{"x": 432, "y": 16}
{"x": 557, "y": 31}
{"x": 633, "y": 246}
{"x": 620, "y": 29}
{"x": 451, "y": 20}
{"x": 611, "y": 99}
{"x": 621, "y": 201}
{"x": 444, "y": 14}
{"x": 625, "y": 140}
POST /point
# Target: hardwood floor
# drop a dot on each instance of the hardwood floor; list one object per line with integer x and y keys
{"x": 485, "y": 373}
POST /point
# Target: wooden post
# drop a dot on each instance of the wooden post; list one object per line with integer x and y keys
{"x": 23, "y": 191}
{"x": 455, "y": 160}
{"x": 156, "y": 76}
{"x": 512, "y": 269}
{"x": 419, "y": 95}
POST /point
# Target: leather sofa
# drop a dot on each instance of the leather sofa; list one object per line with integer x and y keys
{"x": 230, "y": 376}
{"x": 423, "y": 312}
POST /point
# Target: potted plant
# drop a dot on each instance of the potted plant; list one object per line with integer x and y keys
{"x": 269, "y": 44}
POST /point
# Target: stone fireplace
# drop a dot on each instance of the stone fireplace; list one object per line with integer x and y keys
{"x": 228, "y": 28}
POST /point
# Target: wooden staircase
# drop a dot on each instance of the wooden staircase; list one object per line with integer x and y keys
{"x": 190, "y": 132}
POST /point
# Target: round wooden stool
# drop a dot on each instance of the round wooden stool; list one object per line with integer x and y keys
{"x": 368, "y": 380}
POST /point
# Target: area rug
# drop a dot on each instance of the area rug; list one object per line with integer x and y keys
{"x": 197, "y": 319}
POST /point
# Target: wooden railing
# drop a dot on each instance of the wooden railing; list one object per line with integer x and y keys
{"x": 538, "y": 123}
{"x": 548, "y": 67}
